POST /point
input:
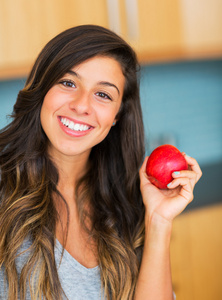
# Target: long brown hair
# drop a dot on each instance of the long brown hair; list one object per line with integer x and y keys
{"x": 29, "y": 178}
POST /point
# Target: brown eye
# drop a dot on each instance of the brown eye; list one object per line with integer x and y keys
{"x": 103, "y": 95}
{"x": 67, "y": 83}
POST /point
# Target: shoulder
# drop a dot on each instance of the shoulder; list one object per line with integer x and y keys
{"x": 21, "y": 260}
{"x": 3, "y": 284}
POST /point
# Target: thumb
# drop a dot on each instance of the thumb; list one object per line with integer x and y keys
{"x": 142, "y": 172}
{"x": 144, "y": 179}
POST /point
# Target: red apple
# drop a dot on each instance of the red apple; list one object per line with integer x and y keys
{"x": 162, "y": 162}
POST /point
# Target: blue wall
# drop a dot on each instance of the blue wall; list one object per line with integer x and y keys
{"x": 8, "y": 95}
{"x": 182, "y": 104}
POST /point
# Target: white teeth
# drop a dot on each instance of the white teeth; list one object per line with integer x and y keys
{"x": 67, "y": 123}
{"x": 74, "y": 126}
{"x": 71, "y": 125}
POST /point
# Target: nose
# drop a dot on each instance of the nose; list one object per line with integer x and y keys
{"x": 81, "y": 104}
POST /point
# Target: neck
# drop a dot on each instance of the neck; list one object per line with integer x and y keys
{"x": 70, "y": 169}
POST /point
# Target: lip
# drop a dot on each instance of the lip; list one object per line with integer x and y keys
{"x": 71, "y": 132}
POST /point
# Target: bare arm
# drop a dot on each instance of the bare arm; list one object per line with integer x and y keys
{"x": 162, "y": 206}
{"x": 154, "y": 280}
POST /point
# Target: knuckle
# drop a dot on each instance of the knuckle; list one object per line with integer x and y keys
{"x": 191, "y": 198}
{"x": 186, "y": 180}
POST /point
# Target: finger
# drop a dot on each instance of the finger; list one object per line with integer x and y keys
{"x": 194, "y": 166}
{"x": 144, "y": 179}
{"x": 143, "y": 167}
{"x": 186, "y": 174}
{"x": 142, "y": 172}
{"x": 186, "y": 190}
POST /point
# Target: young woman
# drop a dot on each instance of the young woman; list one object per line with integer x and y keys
{"x": 78, "y": 220}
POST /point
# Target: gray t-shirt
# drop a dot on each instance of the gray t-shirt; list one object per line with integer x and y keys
{"x": 78, "y": 282}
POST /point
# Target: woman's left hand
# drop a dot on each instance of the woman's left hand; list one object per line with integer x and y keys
{"x": 169, "y": 203}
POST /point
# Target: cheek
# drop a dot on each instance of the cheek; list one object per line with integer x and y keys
{"x": 53, "y": 99}
{"x": 44, "y": 112}
{"x": 48, "y": 107}
{"x": 109, "y": 114}
{"x": 51, "y": 103}
{"x": 107, "y": 118}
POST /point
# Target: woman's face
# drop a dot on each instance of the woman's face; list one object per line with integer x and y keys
{"x": 79, "y": 110}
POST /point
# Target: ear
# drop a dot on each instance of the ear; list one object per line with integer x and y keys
{"x": 116, "y": 119}
{"x": 118, "y": 115}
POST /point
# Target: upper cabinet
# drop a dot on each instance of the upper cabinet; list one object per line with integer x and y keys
{"x": 159, "y": 30}
{"x": 27, "y": 25}
{"x": 173, "y": 29}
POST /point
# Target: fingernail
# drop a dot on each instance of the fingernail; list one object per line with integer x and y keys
{"x": 176, "y": 173}
{"x": 169, "y": 184}
{"x": 187, "y": 155}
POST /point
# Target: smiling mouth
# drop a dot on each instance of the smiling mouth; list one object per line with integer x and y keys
{"x": 74, "y": 126}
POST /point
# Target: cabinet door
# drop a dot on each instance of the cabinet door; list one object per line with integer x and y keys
{"x": 174, "y": 29}
{"x": 196, "y": 249}
{"x": 26, "y": 26}
{"x": 160, "y": 30}
{"x": 202, "y": 27}
{"x": 164, "y": 30}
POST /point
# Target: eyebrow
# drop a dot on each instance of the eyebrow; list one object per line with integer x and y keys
{"x": 106, "y": 83}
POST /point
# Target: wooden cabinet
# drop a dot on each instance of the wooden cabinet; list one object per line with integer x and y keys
{"x": 164, "y": 30}
{"x": 176, "y": 29}
{"x": 26, "y": 26}
{"x": 196, "y": 258}
{"x": 202, "y": 27}
{"x": 159, "y": 30}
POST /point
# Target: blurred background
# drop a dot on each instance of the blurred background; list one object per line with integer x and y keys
{"x": 179, "y": 46}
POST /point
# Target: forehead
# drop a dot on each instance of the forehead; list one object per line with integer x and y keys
{"x": 105, "y": 64}
{"x": 100, "y": 69}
